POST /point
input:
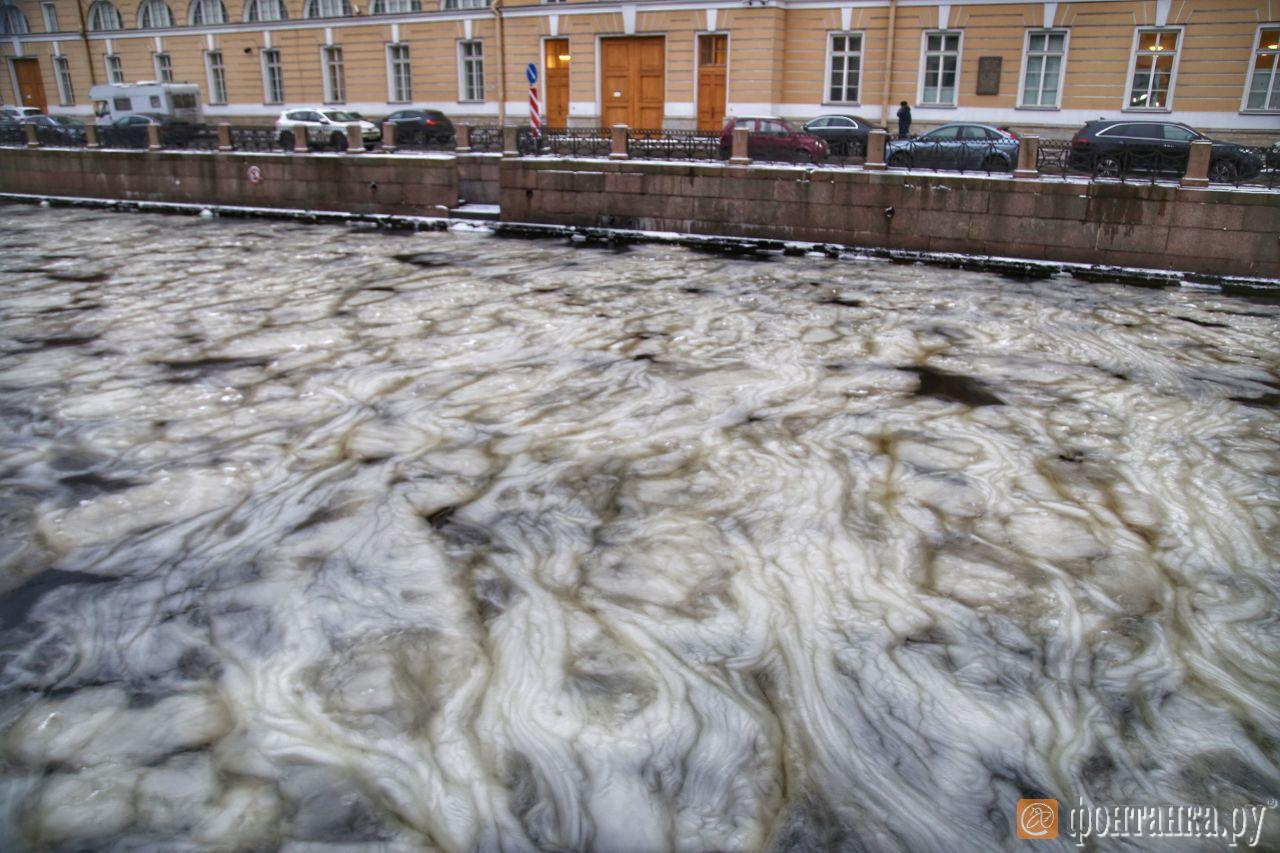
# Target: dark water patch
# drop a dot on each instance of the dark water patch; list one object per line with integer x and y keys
{"x": 16, "y": 604}
{"x": 424, "y": 259}
{"x": 1204, "y": 323}
{"x": 842, "y": 301}
{"x": 74, "y": 306}
{"x": 211, "y": 364}
{"x": 86, "y": 276}
{"x": 56, "y": 341}
{"x": 91, "y": 485}
{"x": 953, "y": 387}
{"x": 1262, "y": 401}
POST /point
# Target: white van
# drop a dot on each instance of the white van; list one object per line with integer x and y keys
{"x": 179, "y": 100}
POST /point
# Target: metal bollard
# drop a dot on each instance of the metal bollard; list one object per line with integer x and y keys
{"x": 301, "y": 144}
{"x": 462, "y": 138}
{"x": 355, "y": 139}
{"x": 153, "y": 137}
{"x": 618, "y": 144}
{"x": 510, "y": 142}
{"x": 91, "y": 136}
{"x": 875, "y": 150}
{"x": 33, "y": 140}
{"x": 1028, "y": 158}
{"x": 740, "y": 156}
{"x": 224, "y": 137}
{"x": 388, "y": 136}
{"x": 1198, "y": 164}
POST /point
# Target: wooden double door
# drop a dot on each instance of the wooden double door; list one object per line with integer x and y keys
{"x": 30, "y": 83}
{"x": 633, "y": 81}
{"x": 713, "y": 66}
{"x": 555, "y": 60}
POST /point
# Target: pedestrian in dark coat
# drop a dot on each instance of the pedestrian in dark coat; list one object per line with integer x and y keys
{"x": 904, "y": 120}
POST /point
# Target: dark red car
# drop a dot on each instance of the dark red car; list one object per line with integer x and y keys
{"x": 772, "y": 138}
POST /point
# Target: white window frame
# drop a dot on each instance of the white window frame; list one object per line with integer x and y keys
{"x": 327, "y": 52}
{"x": 266, "y": 75}
{"x": 201, "y": 7}
{"x": 98, "y": 11}
{"x": 457, "y": 5}
{"x": 164, "y": 73}
{"x": 66, "y": 85}
{"x": 115, "y": 68}
{"x": 1133, "y": 64}
{"x": 49, "y": 13}
{"x": 826, "y": 80}
{"x": 1026, "y": 60}
{"x": 256, "y": 6}
{"x": 462, "y": 72}
{"x": 216, "y": 82}
{"x": 1248, "y": 74}
{"x": 924, "y": 61}
{"x": 394, "y": 96}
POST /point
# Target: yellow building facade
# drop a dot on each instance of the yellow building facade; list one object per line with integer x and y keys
{"x": 1214, "y": 64}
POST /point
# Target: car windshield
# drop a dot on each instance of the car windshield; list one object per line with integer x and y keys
{"x": 339, "y": 115}
{"x": 67, "y": 120}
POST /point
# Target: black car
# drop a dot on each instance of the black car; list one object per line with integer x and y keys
{"x": 1110, "y": 149}
{"x": 54, "y": 131}
{"x": 844, "y": 134}
{"x": 418, "y": 127}
{"x": 957, "y": 146}
{"x": 131, "y": 131}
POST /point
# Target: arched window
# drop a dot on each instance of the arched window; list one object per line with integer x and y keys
{"x": 208, "y": 12}
{"x": 12, "y": 21}
{"x": 154, "y": 13}
{"x": 104, "y": 16}
{"x": 395, "y": 7}
{"x": 327, "y": 9}
{"x": 265, "y": 10}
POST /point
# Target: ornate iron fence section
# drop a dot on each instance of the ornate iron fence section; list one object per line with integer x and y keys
{"x": 62, "y": 136}
{"x": 13, "y": 135}
{"x": 255, "y": 138}
{"x": 989, "y": 156}
{"x": 673, "y": 145}
{"x": 196, "y": 137}
{"x": 486, "y": 138}
{"x": 565, "y": 142}
{"x": 409, "y": 138}
{"x": 110, "y": 136}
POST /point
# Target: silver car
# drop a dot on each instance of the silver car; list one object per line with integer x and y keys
{"x": 979, "y": 147}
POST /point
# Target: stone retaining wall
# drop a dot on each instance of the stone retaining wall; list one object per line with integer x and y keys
{"x": 362, "y": 183}
{"x": 1162, "y": 227}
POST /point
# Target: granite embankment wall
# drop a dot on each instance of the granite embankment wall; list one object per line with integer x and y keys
{"x": 1218, "y": 232}
{"x": 362, "y": 183}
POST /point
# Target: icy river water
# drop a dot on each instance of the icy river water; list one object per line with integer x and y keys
{"x": 314, "y": 535}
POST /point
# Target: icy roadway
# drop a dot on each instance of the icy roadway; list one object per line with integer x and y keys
{"x": 317, "y": 535}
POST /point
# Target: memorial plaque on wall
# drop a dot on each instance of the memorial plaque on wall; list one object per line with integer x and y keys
{"x": 989, "y": 75}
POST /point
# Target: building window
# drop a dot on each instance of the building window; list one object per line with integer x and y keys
{"x": 50, "y": 13}
{"x": 104, "y": 16}
{"x": 164, "y": 68}
{"x": 1153, "y": 65}
{"x": 1046, "y": 55}
{"x": 464, "y": 4}
{"x": 1264, "y": 79}
{"x": 941, "y": 68}
{"x": 66, "y": 94}
{"x": 272, "y": 77}
{"x": 471, "y": 59}
{"x": 217, "y": 77}
{"x": 844, "y": 67}
{"x": 154, "y": 13}
{"x": 401, "y": 88}
{"x": 335, "y": 86}
{"x": 327, "y": 9}
{"x": 12, "y": 21}
{"x": 265, "y": 10}
{"x": 115, "y": 71}
{"x": 395, "y": 7}
{"x": 207, "y": 12}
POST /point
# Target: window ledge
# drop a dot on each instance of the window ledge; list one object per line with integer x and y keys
{"x": 935, "y": 107}
{"x": 841, "y": 103}
{"x": 1146, "y": 110}
{"x": 1259, "y": 112}
{"x": 1039, "y": 109}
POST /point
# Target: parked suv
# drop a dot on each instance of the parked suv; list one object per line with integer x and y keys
{"x": 414, "y": 127}
{"x": 772, "y": 138}
{"x": 325, "y": 128}
{"x": 1110, "y": 149}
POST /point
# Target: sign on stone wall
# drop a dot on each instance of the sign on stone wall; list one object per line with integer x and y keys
{"x": 989, "y": 75}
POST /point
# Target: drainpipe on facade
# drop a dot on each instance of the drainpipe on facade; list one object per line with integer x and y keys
{"x": 502, "y": 66}
{"x": 888, "y": 64}
{"x": 84, "y": 39}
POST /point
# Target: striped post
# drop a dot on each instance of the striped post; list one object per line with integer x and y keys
{"x": 535, "y": 111}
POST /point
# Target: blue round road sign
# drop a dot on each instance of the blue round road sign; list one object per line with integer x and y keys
{"x": 531, "y": 71}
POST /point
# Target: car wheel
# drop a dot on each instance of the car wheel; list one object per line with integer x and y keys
{"x": 1223, "y": 172}
{"x": 900, "y": 159}
{"x": 803, "y": 156}
{"x": 286, "y": 140}
{"x": 338, "y": 141}
{"x": 994, "y": 163}
{"x": 1107, "y": 167}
